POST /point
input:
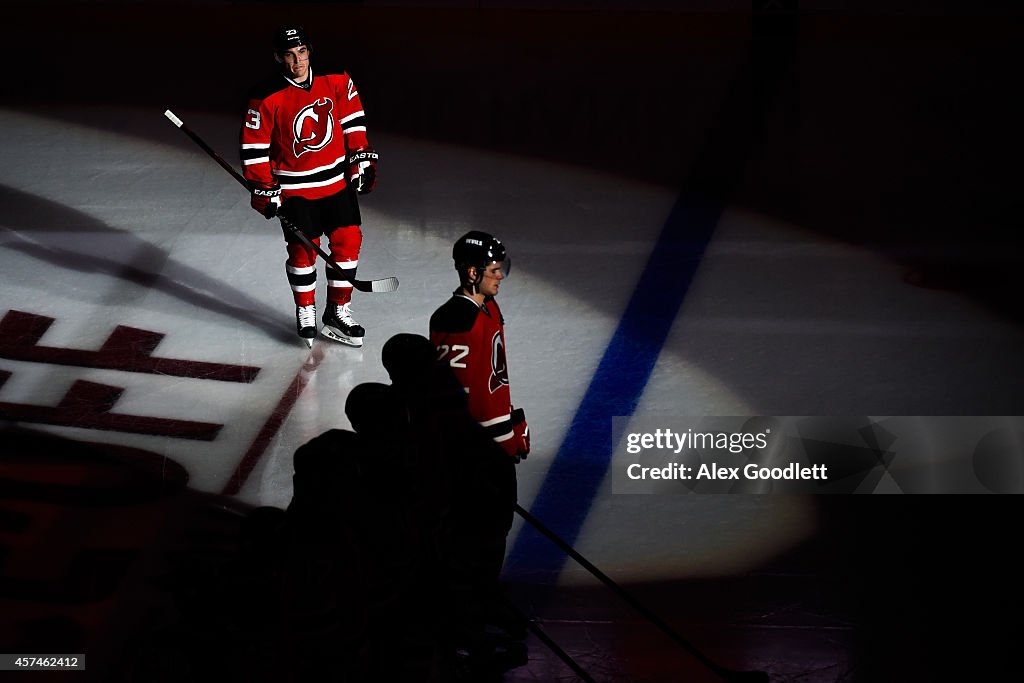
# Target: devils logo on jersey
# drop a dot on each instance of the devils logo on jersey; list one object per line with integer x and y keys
{"x": 313, "y": 126}
{"x": 499, "y": 367}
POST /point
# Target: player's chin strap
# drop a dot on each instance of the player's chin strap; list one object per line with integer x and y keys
{"x": 472, "y": 288}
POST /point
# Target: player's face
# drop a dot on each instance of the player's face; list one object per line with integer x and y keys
{"x": 493, "y": 275}
{"x": 296, "y": 62}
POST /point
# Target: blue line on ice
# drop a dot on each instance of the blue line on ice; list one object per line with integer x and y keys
{"x": 579, "y": 467}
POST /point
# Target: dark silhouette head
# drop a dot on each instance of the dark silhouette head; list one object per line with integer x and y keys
{"x": 375, "y": 409}
{"x": 408, "y": 358}
{"x": 326, "y": 467}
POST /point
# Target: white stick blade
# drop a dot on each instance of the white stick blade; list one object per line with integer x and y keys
{"x": 388, "y": 284}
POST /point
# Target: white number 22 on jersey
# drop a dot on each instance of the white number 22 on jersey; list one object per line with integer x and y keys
{"x": 459, "y": 351}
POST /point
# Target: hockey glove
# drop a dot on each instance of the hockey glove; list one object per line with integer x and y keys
{"x": 266, "y": 199}
{"x": 362, "y": 170}
{"x": 520, "y": 434}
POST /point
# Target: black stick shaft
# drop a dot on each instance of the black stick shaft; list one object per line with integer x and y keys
{"x": 727, "y": 674}
{"x": 216, "y": 157}
{"x": 241, "y": 180}
{"x": 554, "y": 647}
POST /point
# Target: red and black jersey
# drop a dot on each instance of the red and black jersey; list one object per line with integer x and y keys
{"x": 301, "y": 137}
{"x": 471, "y": 338}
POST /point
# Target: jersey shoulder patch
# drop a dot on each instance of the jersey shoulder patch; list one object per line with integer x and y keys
{"x": 458, "y": 314}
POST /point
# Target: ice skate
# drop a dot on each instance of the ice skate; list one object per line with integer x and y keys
{"x": 305, "y": 323}
{"x": 340, "y": 326}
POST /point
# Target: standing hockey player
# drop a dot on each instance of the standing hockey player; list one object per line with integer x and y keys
{"x": 303, "y": 143}
{"x": 469, "y": 333}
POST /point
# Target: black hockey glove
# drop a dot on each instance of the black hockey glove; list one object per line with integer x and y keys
{"x": 362, "y": 170}
{"x": 266, "y": 199}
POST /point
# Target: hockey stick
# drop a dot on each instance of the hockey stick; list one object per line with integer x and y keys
{"x": 537, "y": 631}
{"x": 725, "y": 674}
{"x": 388, "y": 284}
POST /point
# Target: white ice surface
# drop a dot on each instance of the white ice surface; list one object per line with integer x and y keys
{"x": 149, "y": 232}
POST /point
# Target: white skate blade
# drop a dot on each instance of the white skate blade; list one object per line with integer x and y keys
{"x": 344, "y": 339}
{"x": 309, "y": 343}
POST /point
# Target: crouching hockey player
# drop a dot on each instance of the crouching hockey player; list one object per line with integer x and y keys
{"x": 303, "y": 144}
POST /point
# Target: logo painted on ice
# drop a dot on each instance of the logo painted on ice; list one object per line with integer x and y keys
{"x": 313, "y": 126}
{"x": 499, "y": 366}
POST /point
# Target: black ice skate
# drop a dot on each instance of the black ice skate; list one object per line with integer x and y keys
{"x": 340, "y": 326}
{"x": 305, "y": 323}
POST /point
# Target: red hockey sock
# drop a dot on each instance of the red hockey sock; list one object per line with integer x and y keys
{"x": 301, "y": 270}
{"x": 345, "y": 244}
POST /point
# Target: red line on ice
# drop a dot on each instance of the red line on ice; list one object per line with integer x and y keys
{"x": 274, "y": 422}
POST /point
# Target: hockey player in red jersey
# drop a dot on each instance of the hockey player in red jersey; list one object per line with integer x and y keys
{"x": 469, "y": 333}
{"x": 303, "y": 143}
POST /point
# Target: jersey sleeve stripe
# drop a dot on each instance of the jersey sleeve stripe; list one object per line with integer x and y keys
{"x": 494, "y": 421}
{"x": 499, "y": 428}
{"x": 254, "y": 152}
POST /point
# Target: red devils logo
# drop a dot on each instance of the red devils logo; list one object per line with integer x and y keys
{"x": 499, "y": 367}
{"x": 313, "y": 126}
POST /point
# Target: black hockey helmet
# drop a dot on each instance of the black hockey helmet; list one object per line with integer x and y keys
{"x": 479, "y": 249}
{"x": 287, "y": 37}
